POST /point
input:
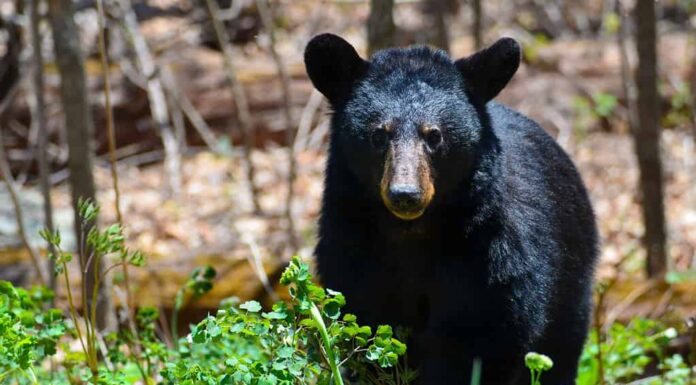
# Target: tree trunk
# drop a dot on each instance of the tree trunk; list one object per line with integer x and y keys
{"x": 647, "y": 140}
{"x": 381, "y": 29}
{"x": 439, "y": 10}
{"x": 9, "y": 62}
{"x": 477, "y": 10}
{"x": 38, "y": 117}
{"x": 78, "y": 123}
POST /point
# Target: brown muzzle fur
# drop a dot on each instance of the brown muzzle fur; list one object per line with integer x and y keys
{"x": 407, "y": 186}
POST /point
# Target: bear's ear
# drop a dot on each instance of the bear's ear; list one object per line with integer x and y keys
{"x": 488, "y": 71}
{"x": 333, "y": 65}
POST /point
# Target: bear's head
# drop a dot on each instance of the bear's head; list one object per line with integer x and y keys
{"x": 408, "y": 123}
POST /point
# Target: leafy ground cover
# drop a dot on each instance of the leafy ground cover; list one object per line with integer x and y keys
{"x": 308, "y": 340}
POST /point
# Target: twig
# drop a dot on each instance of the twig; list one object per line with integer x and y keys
{"x": 315, "y": 21}
{"x": 646, "y": 380}
{"x": 597, "y": 324}
{"x": 691, "y": 47}
{"x": 134, "y": 350}
{"x": 254, "y": 259}
{"x": 627, "y": 86}
{"x": 320, "y": 132}
{"x": 662, "y": 306}
{"x": 231, "y": 13}
{"x": 691, "y": 325}
{"x": 6, "y": 177}
{"x": 477, "y": 10}
{"x": 112, "y": 162}
{"x": 565, "y": 128}
{"x": 628, "y": 300}
{"x": 38, "y": 108}
{"x": 156, "y": 96}
{"x": 552, "y": 17}
{"x": 164, "y": 323}
{"x": 192, "y": 114}
{"x": 240, "y": 100}
{"x": 109, "y": 117}
{"x": 267, "y": 20}
{"x": 32, "y": 142}
{"x": 7, "y": 100}
{"x": 178, "y": 122}
{"x": 306, "y": 120}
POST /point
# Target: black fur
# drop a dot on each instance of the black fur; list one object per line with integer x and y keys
{"x": 501, "y": 262}
{"x": 333, "y": 66}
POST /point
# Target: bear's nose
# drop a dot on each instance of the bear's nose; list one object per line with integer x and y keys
{"x": 405, "y": 196}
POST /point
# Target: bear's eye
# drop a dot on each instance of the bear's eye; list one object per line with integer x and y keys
{"x": 433, "y": 137}
{"x": 379, "y": 137}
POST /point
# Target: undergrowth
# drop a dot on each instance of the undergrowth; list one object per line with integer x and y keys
{"x": 309, "y": 340}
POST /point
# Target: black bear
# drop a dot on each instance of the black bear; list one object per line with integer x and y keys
{"x": 452, "y": 215}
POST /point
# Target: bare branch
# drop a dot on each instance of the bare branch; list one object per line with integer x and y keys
{"x": 240, "y": 100}
{"x": 156, "y": 96}
{"x": 6, "y": 178}
{"x": 111, "y": 134}
{"x": 38, "y": 118}
{"x": 255, "y": 260}
{"x": 627, "y": 85}
{"x": 192, "y": 114}
{"x": 267, "y": 20}
{"x": 306, "y": 120}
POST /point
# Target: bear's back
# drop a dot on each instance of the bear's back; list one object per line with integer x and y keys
{"x": 544, "y": 192}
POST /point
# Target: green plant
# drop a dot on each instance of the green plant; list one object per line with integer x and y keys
{"x": 589, "y": 112}
{"x": 626, "y": 351}
{"x": 306, "y": 343}
{"x": 199, "y": 283}
{"x": 681, "y": 102}
{"x": 28, "y": 333}
{"x": 100, "y": 245}
{"x": 537, "y": 364}
{"x": 309, "y": 340}
{"x": 611, "y": 22}
{"x": 532, "y": 48}
{"x": 674, "y": 372}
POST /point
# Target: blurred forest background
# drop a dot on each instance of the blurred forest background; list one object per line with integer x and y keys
{"x": 218, "y": 140}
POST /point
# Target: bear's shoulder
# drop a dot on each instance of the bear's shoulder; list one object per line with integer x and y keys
{"x": 523, "y": 141}
{"x": 537, "y": 175}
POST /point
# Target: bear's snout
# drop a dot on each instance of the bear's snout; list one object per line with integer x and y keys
{"x": 405, "y": 197}
{"x": 407, "y": 185}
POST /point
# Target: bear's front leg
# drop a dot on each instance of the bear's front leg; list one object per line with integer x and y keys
{"x": 448, "y": 361}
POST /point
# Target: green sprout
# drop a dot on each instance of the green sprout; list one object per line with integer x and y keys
{"x": 537, "y": 364}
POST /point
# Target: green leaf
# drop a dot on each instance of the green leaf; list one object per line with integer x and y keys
{"x": 213, "y": 328}
{"x": 384, "y": 331}
{"x": 137, "y": 259}
{"x": 332, "y": 309}
{"x": 285, "y": 352}
{"x": 251, "y": 306}
{"x": 539, "y": 362}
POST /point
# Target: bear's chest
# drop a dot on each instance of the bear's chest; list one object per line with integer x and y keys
{"x": 420, "y": 273}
